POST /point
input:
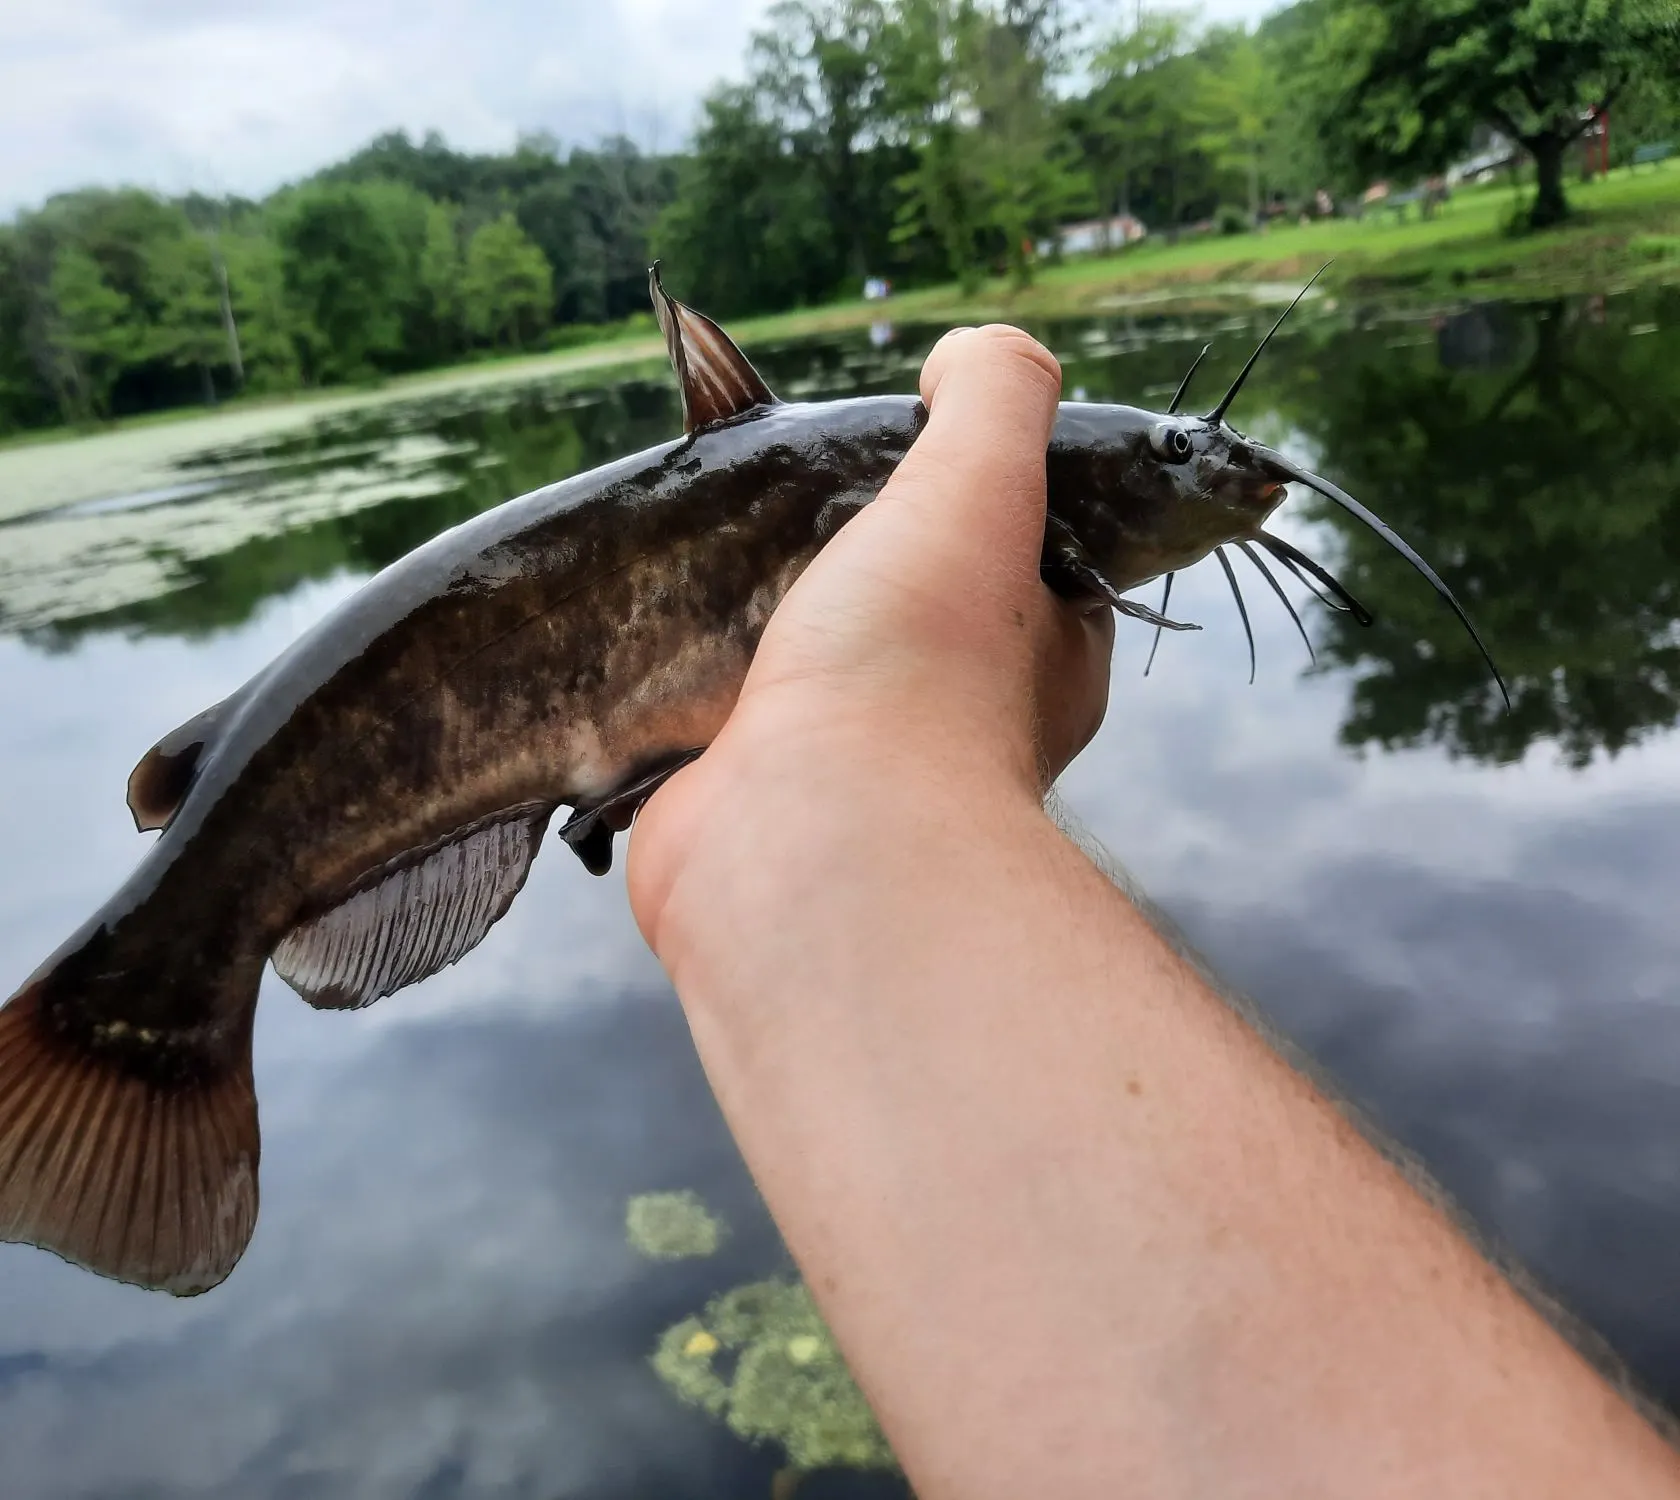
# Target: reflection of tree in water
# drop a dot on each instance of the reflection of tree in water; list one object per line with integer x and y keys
{"x": 759, "y": 1357}
{"x": 1548, "y": 495}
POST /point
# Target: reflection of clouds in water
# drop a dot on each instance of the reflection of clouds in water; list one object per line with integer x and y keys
{"x": 440, "y": 1277}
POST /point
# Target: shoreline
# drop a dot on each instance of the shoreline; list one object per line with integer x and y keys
{"x": 1625, "y": 234}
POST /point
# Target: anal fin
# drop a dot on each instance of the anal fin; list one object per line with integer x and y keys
{"x": 590, "y": 829}
{"x": 415, "y": 914}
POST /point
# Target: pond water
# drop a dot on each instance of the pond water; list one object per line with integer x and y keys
{"x": 1468, "y": 915}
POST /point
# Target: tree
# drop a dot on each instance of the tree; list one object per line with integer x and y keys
{"x": 1399, "y": 84}
{"x": 1008, "y": 57}
{"x": 442, "y": 272}
{"x": 942, "y": 196}
{"x": 269, "y": 327}
{"x": 1234, "y": 107}
{"x": 347, "y": 274}
{"x": 508, "y": 286}
{"x": 747, "y": 230}
{"x": 95, "y": 333}
{"x": 187, "y": 331}
{"x": 970, "y": 86}
{"x": 820, "y": 64}
{"x": 1140, "y": 109}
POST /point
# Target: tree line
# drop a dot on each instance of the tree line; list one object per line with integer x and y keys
{"x": 919, "y": 140}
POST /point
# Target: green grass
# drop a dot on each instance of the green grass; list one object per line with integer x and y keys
{"x": 1625, "y": 230}
{"x": 1617, "y": 237}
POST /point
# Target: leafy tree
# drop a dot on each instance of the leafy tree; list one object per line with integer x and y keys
{"x": 1293, "y": 154}
{"x": 592, "y": 216}
{"x": 186, "y": 331}
{"x": 943, "y": 195}
{"x": 820, "y": 64}
{"x": 25, "y": 399}
{"x": 747, "y": 229}
{"x": 1030, "y": 181}
{"x": 1142, "y": 109}
{"x": 970, "y": 88}
{"x": 268, "y": 328}
{"x": 441, "y": 271}
{"x": 1234, "y": 109}
{"x": 1399, "y": 84}
{"x": 507, "y": 286}
{"x": 95, "y": 333}
{"x": 344, "y": 272}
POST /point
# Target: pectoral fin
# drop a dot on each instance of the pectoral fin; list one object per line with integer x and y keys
{"x": 718, "y": 381}
{"x": 590, "y": 829}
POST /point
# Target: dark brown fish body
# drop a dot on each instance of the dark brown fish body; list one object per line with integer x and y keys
{"x": 365, "y": 808}
{"x": 539, "y": 654}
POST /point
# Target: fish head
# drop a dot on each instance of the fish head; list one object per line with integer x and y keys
{"x": 1210, "y": 485}
{"x": 1148, "y": 492}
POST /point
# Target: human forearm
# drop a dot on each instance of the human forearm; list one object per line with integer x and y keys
{"x": 1078, "y": 1230}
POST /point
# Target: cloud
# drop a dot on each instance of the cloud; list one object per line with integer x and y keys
{"x": 189, "y": 94}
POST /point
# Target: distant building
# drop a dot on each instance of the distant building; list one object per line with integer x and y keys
{"x": 1087, "y": 235}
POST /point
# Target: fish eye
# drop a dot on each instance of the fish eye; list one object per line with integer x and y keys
{"x": 1170, "y": 442}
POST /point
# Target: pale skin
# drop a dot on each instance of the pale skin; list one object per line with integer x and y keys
{"x": 1078, "y": 1229}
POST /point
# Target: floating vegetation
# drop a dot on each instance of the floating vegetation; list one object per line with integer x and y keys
{"x": 762, "y": 1360}
{"x": 759, "y": 1358}
{"x": 673, "y": 1226}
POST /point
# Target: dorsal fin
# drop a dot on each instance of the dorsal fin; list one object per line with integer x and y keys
{"x": 718, "y": 381}
{"x": 159, "y": 784}
{"x": 415, "y": 914}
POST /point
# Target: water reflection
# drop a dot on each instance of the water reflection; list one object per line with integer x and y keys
{"x": 440, "y": 1299}
{"x": 1543, "y": 476}
{"x": 1528, "y": 450}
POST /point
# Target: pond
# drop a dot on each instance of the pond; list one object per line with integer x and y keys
{"x": 1468, "y": 915}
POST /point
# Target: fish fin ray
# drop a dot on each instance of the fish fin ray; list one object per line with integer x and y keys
{"x": 1166, "y": 599}
{"x": 147, "y": 1181}
{"x": 160, "y": 782}
{"x": 590, "y": 829}
{"x": 415, "y": 914}
{"x": 718, "y": 381}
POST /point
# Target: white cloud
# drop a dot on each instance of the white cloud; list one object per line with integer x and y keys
{"x": 178, "y": 94}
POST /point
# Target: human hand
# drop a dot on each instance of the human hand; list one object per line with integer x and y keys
{"x": 919, "y": 655}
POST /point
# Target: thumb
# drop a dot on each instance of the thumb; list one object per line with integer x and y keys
{"x": 977, "y": 470}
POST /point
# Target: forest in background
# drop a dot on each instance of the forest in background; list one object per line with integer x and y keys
{"x": 918, "y": 140}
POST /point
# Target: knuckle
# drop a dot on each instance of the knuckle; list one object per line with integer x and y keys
{"x": 1019, "y": 349}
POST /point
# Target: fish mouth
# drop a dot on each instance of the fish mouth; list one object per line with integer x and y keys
{"x": 1283, "y": 471}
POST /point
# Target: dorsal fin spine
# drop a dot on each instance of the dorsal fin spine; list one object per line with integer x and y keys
{"x": 718, "y": 381}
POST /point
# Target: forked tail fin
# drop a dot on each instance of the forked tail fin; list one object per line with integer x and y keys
{"x": 123, "y": 1150}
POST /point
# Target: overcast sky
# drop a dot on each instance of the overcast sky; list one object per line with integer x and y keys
{"x": 242, "y": 95}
